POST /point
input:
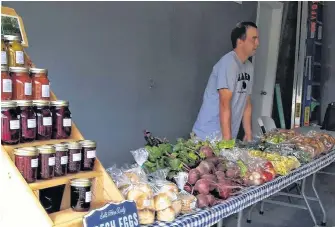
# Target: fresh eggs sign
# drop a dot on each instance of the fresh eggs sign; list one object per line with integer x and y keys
{"x": 113, "y": 215}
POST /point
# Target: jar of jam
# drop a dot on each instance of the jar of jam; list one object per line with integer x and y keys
{"x": 26, "y": 161}
{"x": 6, "y": 84}
{"x": 22, "y": 87}
{"x": 27, "y": 118}
{"x": 61, "y": 119}
{"x": 61, "y": 159}
{"x": 81, "y": 194}
{"x": 41, "y": 84}
{"x": 10, "y": 124}
{"x": 88, "y": 154}
{"x": 46, "y": 162}
{"x": 43, "y": 119}
{"x": 3, "y": 52}
{"x": 74, "y": 157}
{"x": 15, "y": 51}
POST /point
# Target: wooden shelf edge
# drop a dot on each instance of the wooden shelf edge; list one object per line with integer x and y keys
{"x": 42, "y": 184}
{"x": 37, "y": 143}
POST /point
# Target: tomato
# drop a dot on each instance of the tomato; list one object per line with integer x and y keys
{"x": 267, "y": 176}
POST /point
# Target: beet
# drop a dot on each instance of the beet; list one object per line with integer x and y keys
{"x": 207, "y": 151}
{"x": 224, "y": 180}
{"x": 193, "y": 176}
{"x": 188, "y": 188}
{"x": 219, "y": 173}
{"x": 202, "y": 186}
{"x": 224, "y": 190}
{"x": 233, "y": 172}
{"x": 210, "y": 177}
{"x": 211, "y": 199}
{"x": 221, "y": 167}
{"x": 207, "y": 167}
{"x": 202, "y": 201}
{"x": 215, "y": 160}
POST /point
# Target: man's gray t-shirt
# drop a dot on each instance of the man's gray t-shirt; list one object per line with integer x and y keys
{"x": 229, "y": 72}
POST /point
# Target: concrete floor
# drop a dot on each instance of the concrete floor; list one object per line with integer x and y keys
{"x": 280, "y": 216}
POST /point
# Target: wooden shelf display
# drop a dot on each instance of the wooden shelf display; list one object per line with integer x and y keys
{"x": 26, "y": 196}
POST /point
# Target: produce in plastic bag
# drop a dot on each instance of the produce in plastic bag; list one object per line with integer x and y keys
{"x": 188, "y": 201}
{"x": 167, "y": 215}
{"x": 327, "y": 140}
{"x": 146, "y": 217}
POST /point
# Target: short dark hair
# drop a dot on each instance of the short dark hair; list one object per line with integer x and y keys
{"x": 239, "y": 32}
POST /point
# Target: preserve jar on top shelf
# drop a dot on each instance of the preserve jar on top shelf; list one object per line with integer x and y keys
{"x": 6, "y": 84}
{"x": 22, "y": 87}
{"x": 3, "y": 52}
{"x": 61, "y": 119}
{"x": 43, "y": 119}
{"x": 26, "y": 161}
{"x": 46, "y": 162}
{"x": 41, "y": 84}
{"x": 10, "y": 124}
{"x": 27, "y": 118}
{"x": 88, "y": 154}
{"x": 14, "y": 50}
{"x": 81, "y": 195}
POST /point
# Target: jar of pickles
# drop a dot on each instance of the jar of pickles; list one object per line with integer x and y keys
{"x": 88, "y": 154}
{"x": 22, "y": 87}
{"x": 81, "y": 194}
{"x": 61, "y": 159}
{"x": 3, "y": 52}
{"x": 43, "y": 119}
{"x": 10, "y": 124}
{"x": 41, "y": 84}
{"x": 6, "y": 84}
{"x": 74, "y": 157}
{"x": 15, "y": 51}
{"x": 46, "y": 162}
{"x": 61, "y": 119}
{"x": 27, "y": 118}
{"x": 26, "y": 161}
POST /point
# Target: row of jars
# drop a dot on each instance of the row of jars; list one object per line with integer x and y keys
{"x": 19, "y": 83}
{"x": 12, "y": 52}
{"x": 48, "y": 161}
{"x": 25, "y": 120}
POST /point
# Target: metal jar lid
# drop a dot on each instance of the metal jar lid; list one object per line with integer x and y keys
{"x": 38, "y": 70}
{"x": 46, "y": 149}
{"x": 23, "y": 102}
{"x": 81, "y": 182}
{"x": 18, "y": 69}
{"x": 73, "y": 145}
{"x": 88, "y": 143}
{"x": 26, "y": 151}
{"x": 41, "y": 103}
{"x": 12, "y": 38}
{"x": 59, "y": 103}
{"x": 4, "y": 68}
{"x": 60, "y": 147}
{"x": 8, "y": 104}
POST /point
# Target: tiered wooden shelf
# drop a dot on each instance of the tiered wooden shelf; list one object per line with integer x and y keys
{"x": 27, "y": 203}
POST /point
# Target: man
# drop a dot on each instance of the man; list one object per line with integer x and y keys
{"x": 226, "y": 101}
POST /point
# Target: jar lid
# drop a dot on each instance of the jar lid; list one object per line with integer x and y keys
{"x": 12, "y": 37}
{"x": 4, "y": 68}
{"x": 60, "y": 147}
{"x": 41, "y": 103}
{"x": 81, "y": 182}
{"x": 23, "y": 102}
{"x": 8, "y": 103}
{"x": 73, "y": 145}
{"x": 26, "y": 151}
{"x": 59, "y": 103}
{"x": 46, "y": 149}
{"x": 38, "y": 70}
{"x": 88, "y": 143}
{"x": 18, "y": 69}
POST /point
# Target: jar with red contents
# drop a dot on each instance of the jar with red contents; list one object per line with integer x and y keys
{"x": 43, "y": 119}
{"x": 41, "y": 84}
{"x": 6, "y": 84}
{"x": 61, "y": 119}
{"x": 46, "y": 162}
{"x": 10, "y": 124}
{"x": 22, "y": 87}
{"x": 26, "y": 161}
{"x": 27, "y": 117}
{"x": 88, "y": 154}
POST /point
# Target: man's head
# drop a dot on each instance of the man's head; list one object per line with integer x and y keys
{"x": 244, "y": 37}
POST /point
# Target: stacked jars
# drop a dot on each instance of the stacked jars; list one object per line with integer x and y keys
{"x": 10, "y": 123}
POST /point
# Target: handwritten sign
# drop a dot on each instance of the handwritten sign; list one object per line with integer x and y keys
{"x": 113, "y": 215}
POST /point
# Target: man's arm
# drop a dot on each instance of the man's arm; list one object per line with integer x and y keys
{"x": 247, "y": 120}
{"x": 225, "y": 96}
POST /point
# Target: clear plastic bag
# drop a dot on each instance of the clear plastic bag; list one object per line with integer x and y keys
{"x": 188, "y": 201}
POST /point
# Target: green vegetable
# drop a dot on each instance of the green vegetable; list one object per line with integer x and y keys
{"x": 243, "y": 167}
{"x": 175, "y": 164}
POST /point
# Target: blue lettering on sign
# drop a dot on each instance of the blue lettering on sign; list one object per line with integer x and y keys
{"x": 122, "y": 214}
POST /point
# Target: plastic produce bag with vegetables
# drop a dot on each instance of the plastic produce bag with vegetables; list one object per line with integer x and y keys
{"x": 188, "y": 201}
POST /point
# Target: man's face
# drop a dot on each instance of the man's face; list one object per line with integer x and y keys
{"x": 251, "y": 42}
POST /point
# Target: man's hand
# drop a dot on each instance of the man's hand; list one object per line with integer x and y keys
{"x": 247, "y": 120}
{"x": 225, "y": 96}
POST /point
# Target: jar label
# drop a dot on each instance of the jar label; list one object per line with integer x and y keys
{"x": 34, "y": 163}
{"x": 3, "y": 58}
{"x": 27, "y": 88}
{"x": 64, "y": 160}
{"x": 67, "y": 122}
{"x": 6, "y": 85}
{"x": 76, "y": 157}
{"x": 14, "y": 124}
{"x": 88, "y": 197}
{"x": 52, "y": 161}
{"x": 45, "y": 91}
{"x": 18, "y": 116}
{"x": 91, "y": 154}
{"x": 19, "y": 57}
{"x": 31, "y": 123}
{"x": 47, "y": 121}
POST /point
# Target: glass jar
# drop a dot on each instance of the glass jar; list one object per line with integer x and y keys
{"x": 22, "y": 88}
{"x": 6, "y": 85}
{"x": 88, "y": 154}
{"x": 41, "y": 84}
{"x": 46, "y": 162}
{"x": 14, "y": 50}
{"x": 61, "y": 119}
{"x": 81, "y": 194}
{"x": 61, "y": 159}
{"x": 26, "y": 161}
{"x": 27, "y": 118}
{"x": 74, "y": 157}
{"x": 3, "y": 52}
{"x": 43, "y": 119}
{"x": 10, "y": 124}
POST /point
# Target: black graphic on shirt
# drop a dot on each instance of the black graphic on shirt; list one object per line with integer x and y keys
{"x": 242, "y": 78}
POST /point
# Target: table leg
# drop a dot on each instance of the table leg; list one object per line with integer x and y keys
{"x": 306, "y": 201}
{"x": 239, "y": 218}
{"x": 220, "y": 223}
{"x": 324, "y": 220}
{"x": 250, "y": 211}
